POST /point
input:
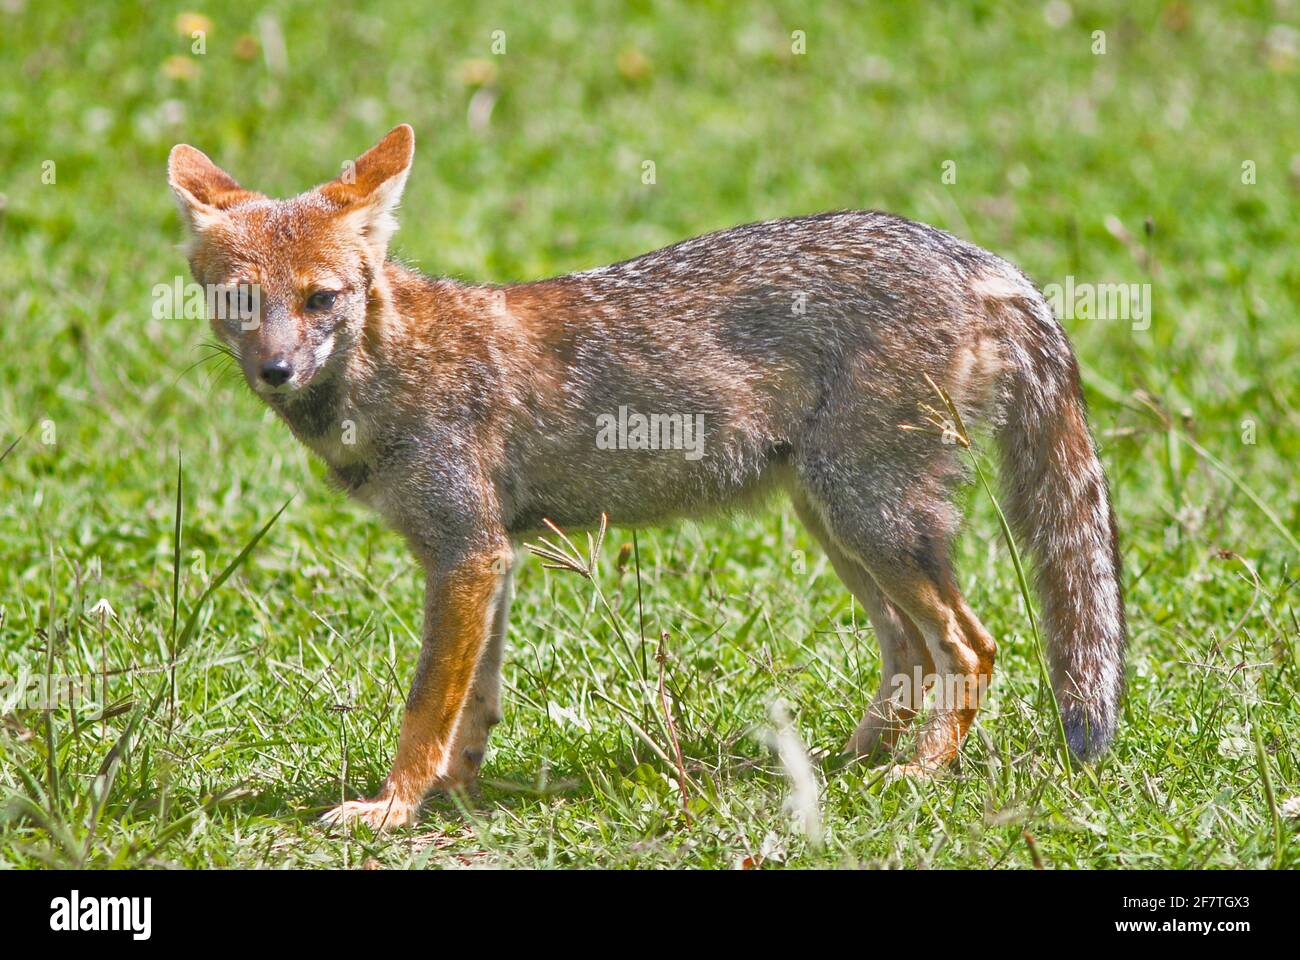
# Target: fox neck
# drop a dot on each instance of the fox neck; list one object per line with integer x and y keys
{"x": 316, "y": 414}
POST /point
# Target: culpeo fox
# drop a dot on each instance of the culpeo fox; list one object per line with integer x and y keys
{"x": 467, "y": 414}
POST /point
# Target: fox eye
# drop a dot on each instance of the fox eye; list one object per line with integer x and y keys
{"x": 321, "y": 300}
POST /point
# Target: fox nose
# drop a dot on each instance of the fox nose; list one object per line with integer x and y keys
{"x": 276, "y": 371}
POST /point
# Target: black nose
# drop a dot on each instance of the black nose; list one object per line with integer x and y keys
{"x": 276, "y": 371}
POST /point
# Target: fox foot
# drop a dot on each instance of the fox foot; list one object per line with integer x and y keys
{"x": 914, "y": 771}
{"x": 385, "y": 813}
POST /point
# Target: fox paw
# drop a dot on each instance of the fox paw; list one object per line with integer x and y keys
{"x": 462, "y": 772}
{"x": 912, "y": 771}
{"x": 380, "y": 814}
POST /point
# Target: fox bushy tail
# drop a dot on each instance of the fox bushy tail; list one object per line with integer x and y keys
{"x": 1058, "y": 504}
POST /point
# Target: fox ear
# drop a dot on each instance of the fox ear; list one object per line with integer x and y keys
{"x": 203, "y": 190}
{"x": 369, "y": 189}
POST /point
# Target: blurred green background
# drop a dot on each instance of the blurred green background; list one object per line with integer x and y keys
{"x": 1171, "y": 158}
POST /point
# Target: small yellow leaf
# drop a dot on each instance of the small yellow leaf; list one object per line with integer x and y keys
{"x": 180, "y": 68}
{"x": 189, "y": 23}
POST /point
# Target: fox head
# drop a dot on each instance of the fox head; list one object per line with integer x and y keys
{"x": 289, "y": 281}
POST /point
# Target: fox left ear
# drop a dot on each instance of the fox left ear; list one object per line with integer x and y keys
{"x": 203, "y": 190}
{"x": 369, "y": 189}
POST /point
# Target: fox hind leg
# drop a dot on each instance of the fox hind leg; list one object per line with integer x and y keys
{"x": 961, "y": 650}
{"x": 901, "y": 535}
{"x": 904, "y": 662}
{"x": 903, "y": 653}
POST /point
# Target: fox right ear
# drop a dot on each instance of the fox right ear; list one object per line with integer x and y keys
{"x": 369, "y": 190}
{"x": 203, "y": 190}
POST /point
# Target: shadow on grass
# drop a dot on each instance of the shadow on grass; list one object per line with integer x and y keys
{"x": 503, "y": 784}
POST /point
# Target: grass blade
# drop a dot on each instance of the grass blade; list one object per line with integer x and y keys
{"x": 187, "y": 632}
{"x": 176, "y": 598}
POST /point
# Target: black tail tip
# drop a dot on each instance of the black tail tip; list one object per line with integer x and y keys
{"x": 1087, "y": 736}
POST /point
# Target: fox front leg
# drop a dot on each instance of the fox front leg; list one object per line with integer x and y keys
{"x": 483, "y": 705}
{"x": 461, "y": 599}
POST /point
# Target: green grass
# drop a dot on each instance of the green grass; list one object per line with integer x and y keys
{"x": 289, "y": 683}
